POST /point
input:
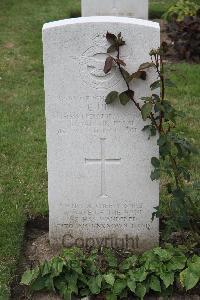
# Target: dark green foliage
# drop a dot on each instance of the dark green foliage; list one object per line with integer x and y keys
{"x": 75, "y": 273}
{"x": 174, "y": 149}
{"x": 185, "y": 35}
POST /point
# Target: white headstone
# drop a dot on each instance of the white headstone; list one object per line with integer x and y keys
{"x": 100, "y": 191}
{"x": 124, "y": 8}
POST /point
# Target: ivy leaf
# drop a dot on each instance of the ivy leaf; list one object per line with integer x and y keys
{"x": 111, "y": 97}
{"x": 155, "y": 162}
{"x": 108, "y": 64}
{"x": 109, "y": 279}
{"x": 155, "y": 85}
{"x": 189, "y": 279}
{"x": 140, "y": 290}
{"x": 131, "y": 285}
{"x": 146, "y": 110}
{"x": 124, "y": 98}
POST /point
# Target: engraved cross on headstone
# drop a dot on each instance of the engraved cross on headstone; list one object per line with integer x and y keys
{"x": 103, "y": 161}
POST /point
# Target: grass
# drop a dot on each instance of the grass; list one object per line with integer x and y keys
{"x": 23, "y": 178}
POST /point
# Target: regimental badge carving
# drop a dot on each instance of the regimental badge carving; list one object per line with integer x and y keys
{"x": 91, "y": 64}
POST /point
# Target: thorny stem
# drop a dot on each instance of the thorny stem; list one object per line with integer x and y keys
{"x": 159, "y": 65}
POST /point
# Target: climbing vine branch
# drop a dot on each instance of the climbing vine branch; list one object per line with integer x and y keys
{"x": 161, "y": 117}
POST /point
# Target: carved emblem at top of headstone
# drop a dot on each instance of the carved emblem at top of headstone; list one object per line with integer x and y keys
{"x": 92, "y": 61}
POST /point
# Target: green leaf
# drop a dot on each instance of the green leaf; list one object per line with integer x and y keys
{"x": 111, "y": 296}
{"x": 110, "y": 258}
{"x": 112, "y": 96}
{"x": 155, "y": 175}
{"x": 164, "y": 255}
{"x": 57, "y": 266}
{"x": 194, "y": 265}
{"x": 128, "y": 263}
{"x": 155, "y": 162}
{"x": 176, "y": 263}
{"x": 155, "y": 85}
{"x": 146, "y": 110}
{"x": 29, "y": 276}
{"x": 140, "y": 290}
{"x": 72, "y": 278}
{"x": 167, "y": 278}
{"x": 189, "y": 279}
{"x": 159, "y": 107}
{"x": 162, "y": 140}
{"x": 67, "y": 295}
{"x": 109, "y": 278}
{"x": 94, "y": 284}
{"x": 131, "y": 285}
{"x": 124, "y": 98}
{"x": 139, "y": 274}
{"x": 126, "y": 74}
{"x": 154, "y": 283}
{"x": 45, "y": 268}
{"x": 39, "y": 284}
{"x": 119, "y": 286}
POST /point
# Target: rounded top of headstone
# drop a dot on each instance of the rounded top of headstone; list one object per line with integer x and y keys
{"x": 101, "y": 19}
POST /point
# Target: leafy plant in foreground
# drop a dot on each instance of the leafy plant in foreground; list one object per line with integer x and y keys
{"x": 75, "y": 273}
{"x": 181, "y": 9}
{"x": 161, "y": 118}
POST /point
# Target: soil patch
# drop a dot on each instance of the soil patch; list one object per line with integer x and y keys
{"x": 36, "y": 249}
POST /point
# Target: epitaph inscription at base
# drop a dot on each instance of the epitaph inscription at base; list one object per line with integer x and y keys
{"x": 99, "y": 187}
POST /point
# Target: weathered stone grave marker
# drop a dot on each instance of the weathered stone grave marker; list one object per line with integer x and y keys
{"x": 99, "y": 187}
{"x": 124, "y": 8}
